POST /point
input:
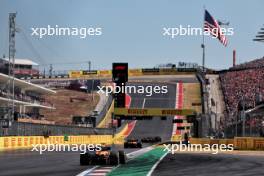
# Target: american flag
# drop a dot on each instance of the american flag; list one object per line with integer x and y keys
{"x": 212, "y": 26}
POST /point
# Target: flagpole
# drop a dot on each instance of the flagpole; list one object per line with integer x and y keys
{"x": 203, "y": 45}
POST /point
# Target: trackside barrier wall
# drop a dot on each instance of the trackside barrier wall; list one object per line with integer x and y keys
{"x": 104, "y": 111}
{"x": 166, "y": 71}
{"x": 82, "y": 74}
{"x": 135, "y": 72}
{"x": 75, "y": 74}
{"x": 119, "y": 140}
{"x": 104, "y": 73}
{"x": 23, "y": 142}
{"x": 200, "y": 141}
{"x": 176, "y": 138}
{"x": 131, "y": 72}
{"x": 249, "y": 143}
{"x": 108, "y": 117}
{"x": 226, "y": 141}
{"x": 211, "y": 141}
{"x": 240, "y": 143}
{"x": 120, "y": 136}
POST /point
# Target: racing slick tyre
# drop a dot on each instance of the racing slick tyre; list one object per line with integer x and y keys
{"x": 163, "y": 118}
{"x": 125, "y": 145}
{"x": 84, "y": 159}
{"x": 122, "y": 157}
{"x": 113, "y": 159}
{"x": 158, "y": 139}
{"x": 139, "y": 145}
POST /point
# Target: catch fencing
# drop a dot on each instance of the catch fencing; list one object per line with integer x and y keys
{"x": 31, "y": 129}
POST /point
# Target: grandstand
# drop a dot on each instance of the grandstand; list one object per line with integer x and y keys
{"x": 28, "y": 98}
{"x": 257, "y": 63}
{"x": 243, "y": 89}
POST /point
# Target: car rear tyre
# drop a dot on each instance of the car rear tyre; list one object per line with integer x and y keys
{"x": 113, "y": 158}
{"x": 84, "y": 159}
{"x": 163, "y": 118}
{"x": 139, "y": 145}
{"x": 122, "y": 157}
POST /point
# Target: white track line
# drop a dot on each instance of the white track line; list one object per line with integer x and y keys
{"x": 87, "y": 171}
{"x": 174, "y": 129}
{"x": 143, "y": 105}
{"x": 102, "y": 170}
{"x": 97, "y": 174}
{"x": 136, "y": 153}
{"x": 156, "y": 164}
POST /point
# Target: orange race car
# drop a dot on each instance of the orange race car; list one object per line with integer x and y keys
{"x": 105, "y": 156}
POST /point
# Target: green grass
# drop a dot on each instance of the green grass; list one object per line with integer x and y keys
{"x": 139, "y": 166}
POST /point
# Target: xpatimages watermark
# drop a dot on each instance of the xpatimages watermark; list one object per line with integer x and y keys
{"x": 173, "y": 32}
{"x": 82, "y": 32}
{"x": 214, "y": 148}
{"x": 132, "y": 89}
{"x": 82, "y": 148}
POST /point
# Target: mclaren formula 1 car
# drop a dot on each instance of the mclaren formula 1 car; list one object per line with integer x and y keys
{"x": 106, "y": 156}
{"x": 155, "y": 139}
{"x": 132, "y": 143}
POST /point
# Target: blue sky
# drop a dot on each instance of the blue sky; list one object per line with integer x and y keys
{"x": 132, "y": 31}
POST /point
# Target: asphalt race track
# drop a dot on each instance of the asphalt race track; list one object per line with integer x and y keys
{"x": 25, "y": 162}
{"x": 190, "y": 164}
{"x": 156, "y": 126}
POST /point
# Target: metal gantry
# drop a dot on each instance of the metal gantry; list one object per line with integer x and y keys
{"x": 11, "y": 73}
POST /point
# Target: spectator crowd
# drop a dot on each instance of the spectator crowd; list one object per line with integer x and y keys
{"x": 25, "y": 97}
{"x": 243, "y": 83}
{"x": 257, "y": 63}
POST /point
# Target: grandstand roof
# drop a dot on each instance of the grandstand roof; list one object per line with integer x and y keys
{"x": 22, "y": 62}
{"x": 4, "y": 101}
{"x": 25, "y": 85}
